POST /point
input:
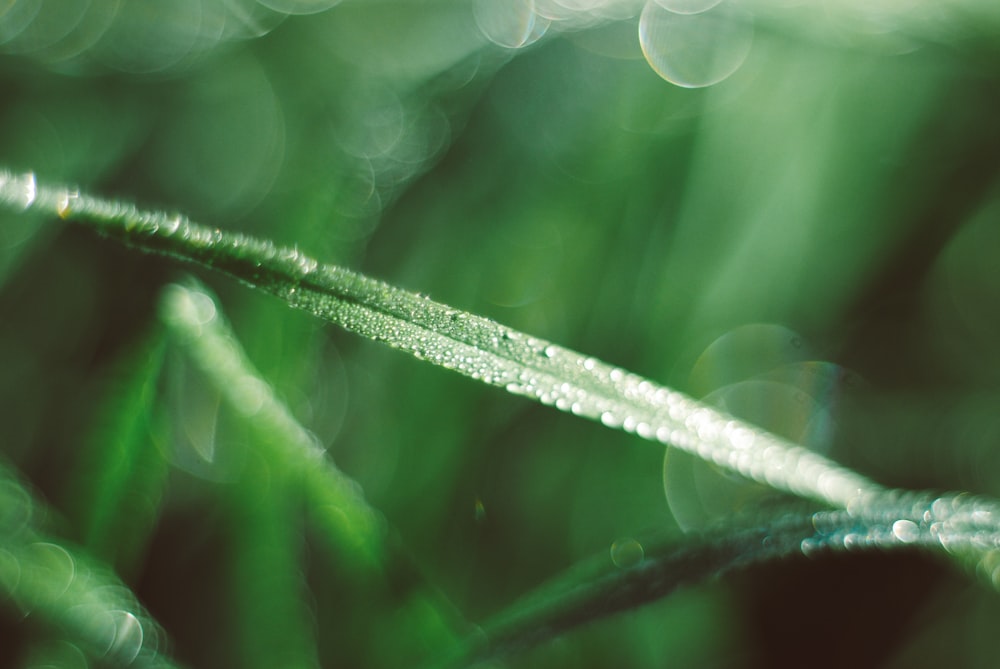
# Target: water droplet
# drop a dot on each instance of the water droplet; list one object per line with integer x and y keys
{"x": 610, "y": 420}
{"x": 549, "y": 351}
{"x": 19, "y": 190}
{"x": 171, "y": 224}
{"x": 627, "y": 553}
{"x": 906, "y": 531}
{"x": 695, "y": 50}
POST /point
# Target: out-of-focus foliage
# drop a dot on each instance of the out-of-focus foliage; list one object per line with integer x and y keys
{"x": 810, "y": 241}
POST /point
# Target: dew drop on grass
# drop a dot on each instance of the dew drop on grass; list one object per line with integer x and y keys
{"x": 906, "y": 531}
{"x": 695, "y": 50}
{"x": 18, "y": 190}
{"x": 611, "y": 420}
{"x": 627, "y": 553}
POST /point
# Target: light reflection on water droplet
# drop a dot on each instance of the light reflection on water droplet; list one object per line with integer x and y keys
{"x": 610, "y": 420}
{"x": 627, "y": 553}
{"x": 695, "y": 50}
{"x": 19, "y": 190}
{"x": 906, "y": 531}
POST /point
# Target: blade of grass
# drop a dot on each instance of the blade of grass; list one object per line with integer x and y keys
{"x": 193, "y": 319}
{"x": 488, "y": 352}
{"x": 597, "y": 589}
{"x": 121, "y": 474}
{"x": 471, "y": 345}
{"x": 297, "y": 467}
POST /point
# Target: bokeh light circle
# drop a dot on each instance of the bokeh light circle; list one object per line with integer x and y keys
{"x": 764, "y": 374}
{"x": 299, "y": 6}
{"x": 695, "y": 50}
{"x": 506, "y": 23}
{"x": 688, "y": 6}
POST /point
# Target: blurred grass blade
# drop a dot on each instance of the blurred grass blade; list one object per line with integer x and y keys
{"x": 604, "y": 586}
{"x": 122, "y": 474}
{"x": 292, "y": 467}
{"x": 193, "y": 319}
{"x": 47, "y": 578}
{"x": 472, "y": 345}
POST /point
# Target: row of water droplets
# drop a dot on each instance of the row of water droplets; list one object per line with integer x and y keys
{"x": 962, "y": 525}
{"x": 471, "y": 345}
{"x": 492, "y": 353}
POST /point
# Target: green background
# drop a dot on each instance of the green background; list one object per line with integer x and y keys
{"x": 813, "y": 241}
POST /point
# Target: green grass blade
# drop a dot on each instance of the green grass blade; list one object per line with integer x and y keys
{"x": 122, "y": 473}
{"x": 603, "y": 587}
{"x": 471, "y": 345}
{"x": 192, "y": 317}
{"x": 291, "y": 466}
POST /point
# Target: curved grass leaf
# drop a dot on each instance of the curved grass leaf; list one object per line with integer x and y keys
{"x": 471, "y": 345}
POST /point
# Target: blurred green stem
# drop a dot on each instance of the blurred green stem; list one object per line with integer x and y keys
{"x": 335, "y": 502}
